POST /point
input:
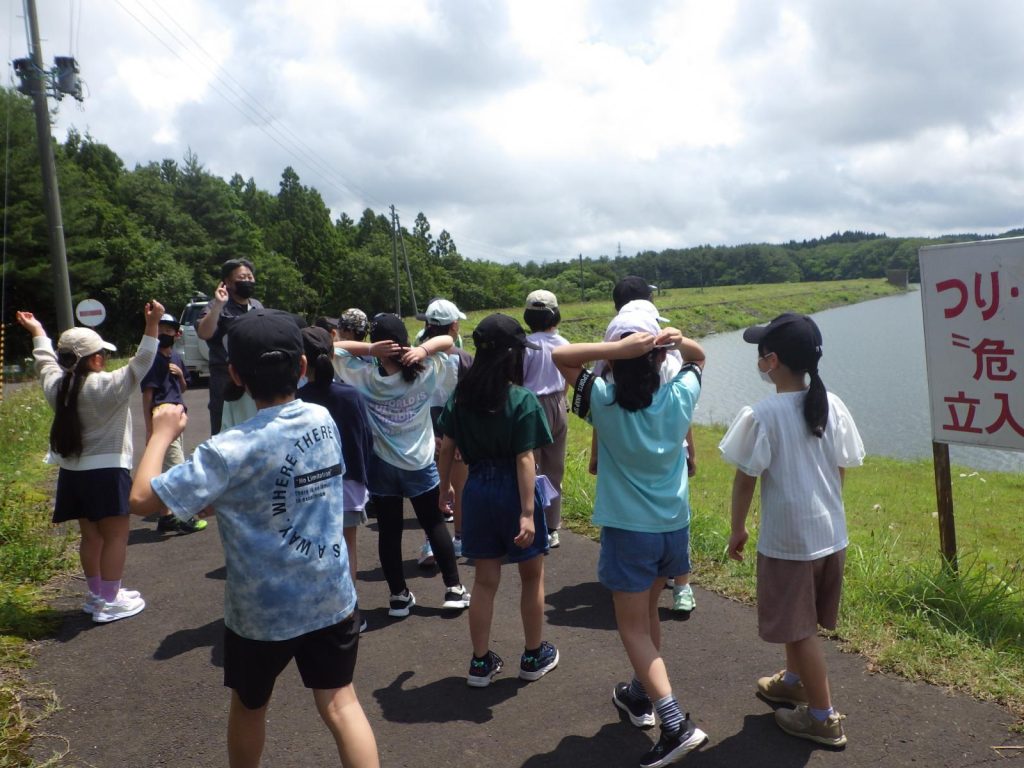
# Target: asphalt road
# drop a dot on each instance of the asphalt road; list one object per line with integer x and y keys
{"x": 147, "y": 691}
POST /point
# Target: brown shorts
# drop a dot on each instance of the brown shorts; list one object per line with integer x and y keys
{"x": 795, "y": 596}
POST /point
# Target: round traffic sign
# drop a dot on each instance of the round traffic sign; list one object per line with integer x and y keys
{"x": 90, "y": 312}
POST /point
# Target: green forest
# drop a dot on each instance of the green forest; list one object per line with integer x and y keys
{"x": 162, "y": 230}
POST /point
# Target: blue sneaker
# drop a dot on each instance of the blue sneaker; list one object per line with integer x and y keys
{"x": 482, "y": 671}
{"x": 534, "y": 667}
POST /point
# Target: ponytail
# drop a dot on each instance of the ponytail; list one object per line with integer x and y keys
{"x": 323, "y": 371}
{"x": 66, "y": 430}
{"x": 816, "y": 404}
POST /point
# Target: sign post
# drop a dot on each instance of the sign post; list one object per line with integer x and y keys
{"x": 973, "y": 300}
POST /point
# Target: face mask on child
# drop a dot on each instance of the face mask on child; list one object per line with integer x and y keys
{"x": 165, "y": 340}
{"x": 303, "y": 381}
{"x": 765, "y": 376}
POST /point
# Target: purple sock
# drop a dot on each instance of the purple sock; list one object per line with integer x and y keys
{"x": 109, "y": 590}
{"x": 94, "y": 584}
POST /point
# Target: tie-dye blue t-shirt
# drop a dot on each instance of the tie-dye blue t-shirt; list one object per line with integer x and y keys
{"x": 275, "y": 482}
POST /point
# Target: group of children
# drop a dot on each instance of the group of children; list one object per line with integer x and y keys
{"x": 341, "y": 421}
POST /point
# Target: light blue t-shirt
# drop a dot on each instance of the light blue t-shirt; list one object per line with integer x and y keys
{"x": 275, "y": 482}
{"x": 641, "y": 461}
{"x": 399, "y": 410}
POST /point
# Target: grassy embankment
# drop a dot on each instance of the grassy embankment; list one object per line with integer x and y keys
{"x": 31, "y": 553}
{"x": 901, "y": 610}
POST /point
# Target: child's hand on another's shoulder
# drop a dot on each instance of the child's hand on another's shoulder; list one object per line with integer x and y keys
{"x": 169, "y": 420}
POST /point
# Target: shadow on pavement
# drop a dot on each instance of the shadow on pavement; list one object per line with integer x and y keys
{"x": 444, "y": 701}
{"x": 220, "y": 574}
{"x": 587, "y": 605}
{"x": 615, "y": 744}
{"x": 758, "y": 742}
{"x": 185, "y": 640}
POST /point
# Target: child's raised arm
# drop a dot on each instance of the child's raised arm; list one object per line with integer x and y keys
{"x": 168, "y": 422}
{"x": 570, "y": 358}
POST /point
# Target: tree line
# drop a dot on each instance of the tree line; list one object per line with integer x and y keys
{"x": 162, "y": 230}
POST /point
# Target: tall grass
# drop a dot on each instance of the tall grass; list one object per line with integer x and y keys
{"x": 31, "y": 553}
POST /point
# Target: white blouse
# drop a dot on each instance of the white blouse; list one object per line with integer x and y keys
{"x": 802, "y": 515}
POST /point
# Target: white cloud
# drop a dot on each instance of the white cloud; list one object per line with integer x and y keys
{"x": 532, "y": 129}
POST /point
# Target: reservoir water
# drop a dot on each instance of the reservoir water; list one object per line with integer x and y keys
{"x": 873, "y": 358}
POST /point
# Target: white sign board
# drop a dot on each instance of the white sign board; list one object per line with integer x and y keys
{"x": 90, "y": 312}
{"x": 973, "y": 299}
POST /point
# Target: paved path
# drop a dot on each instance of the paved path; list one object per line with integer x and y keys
{"x": 147, "y": 691}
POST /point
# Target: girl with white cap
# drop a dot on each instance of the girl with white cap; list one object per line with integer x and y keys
{"x": 91, "y": 442}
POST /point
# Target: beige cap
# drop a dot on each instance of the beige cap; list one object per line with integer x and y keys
{"x": 83, "y": 342}
{"x": 542, "y": 300}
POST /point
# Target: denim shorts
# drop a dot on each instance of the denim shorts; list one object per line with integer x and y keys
{"x": 490, "y": 515}
{"x": 630, "y": 561}
{"x": 384, "y": 479}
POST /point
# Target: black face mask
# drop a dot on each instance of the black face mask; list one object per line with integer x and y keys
{"x": 245, "y": 288}
{"x": 165, "y": 340}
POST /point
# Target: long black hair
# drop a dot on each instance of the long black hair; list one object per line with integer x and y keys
{"x": 484, "y": 387}
{"x": 66, "y": 430}
{"x": 637, "y": 379}
{"x": 802, "y": 358}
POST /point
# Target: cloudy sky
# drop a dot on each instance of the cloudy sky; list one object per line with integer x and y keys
{"x": 539, "y": 129}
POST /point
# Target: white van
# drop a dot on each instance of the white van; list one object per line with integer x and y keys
{"x": 192, "y": 349}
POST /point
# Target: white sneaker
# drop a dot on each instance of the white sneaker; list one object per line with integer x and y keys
{"x": 426, "y": 558}
{"x": 457, "y": 546}
{"x": 93, "y": 601}
{"x": 121, "y": 608}
{"x": 553, "y": 542}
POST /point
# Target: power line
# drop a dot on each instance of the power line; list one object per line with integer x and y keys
{"x": 279, "y": 125}
{"x": 248, "y": 112}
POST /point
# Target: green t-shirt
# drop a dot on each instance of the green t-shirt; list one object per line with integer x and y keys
{"x": 521, "y": 426}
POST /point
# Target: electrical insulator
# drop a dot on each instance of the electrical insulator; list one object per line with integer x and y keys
{"x": 66, "y": 77}
{"x": 24, "y": 70}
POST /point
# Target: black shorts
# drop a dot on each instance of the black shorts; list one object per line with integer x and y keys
{"x": 91, "y": 493}
{"x": 326, "y": 659}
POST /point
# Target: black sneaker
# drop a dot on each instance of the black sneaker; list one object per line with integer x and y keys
{"x": 400, "y": 604}
{"x": 171, "y": 524}
{"x": 456, "y": 598}
{"x": 535, "y": 667}
{"x": 482, "y": 671}
{"x": 640, "y": 711}
{"x": 674, "y": 744}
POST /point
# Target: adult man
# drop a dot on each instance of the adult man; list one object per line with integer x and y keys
{"x": 233, "y": 298}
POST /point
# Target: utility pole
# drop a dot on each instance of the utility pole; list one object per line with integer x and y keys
{"x": 394, "y": 254}
{"x": 51, "y": 193}
{"x": 582, "y": 297}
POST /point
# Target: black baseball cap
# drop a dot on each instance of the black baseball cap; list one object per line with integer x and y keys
{"x": 500, "y": 331}
{"x": 790, "y": 333}
{"x": 263, "y": 336}
{"x": 629, "y": 289}
{"x": 316, "y": 341}
{"x": 388, "y": 326}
